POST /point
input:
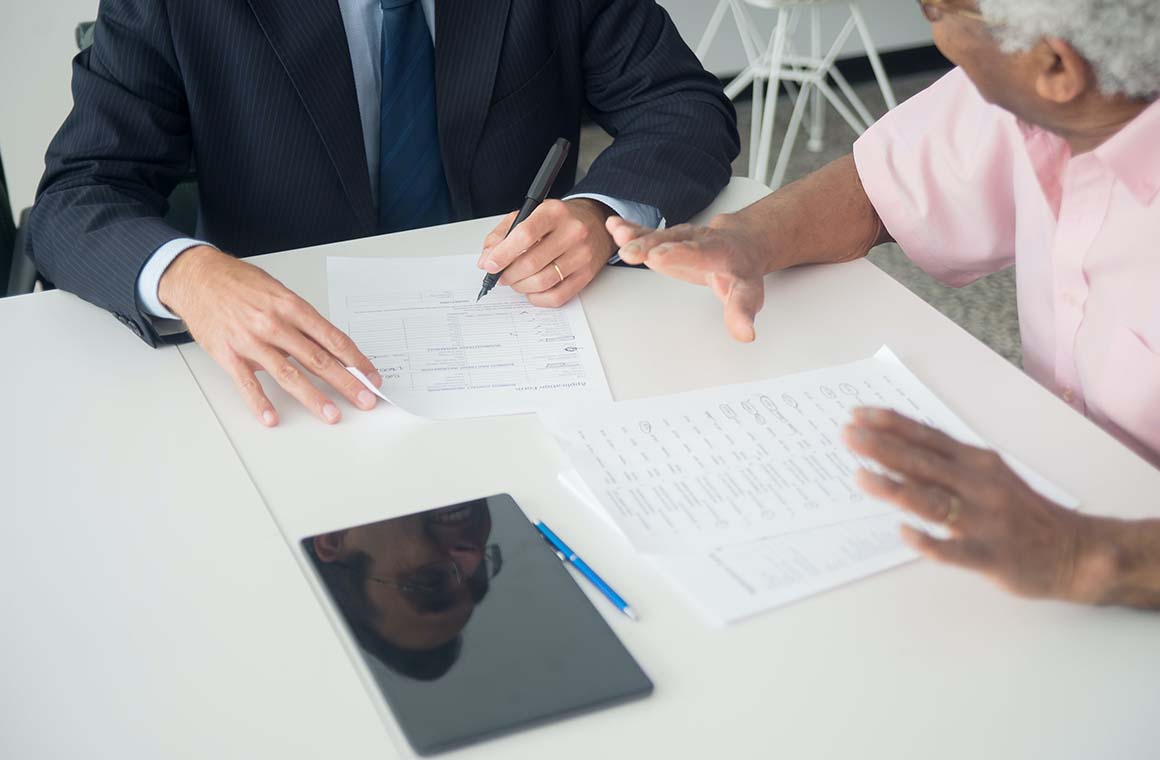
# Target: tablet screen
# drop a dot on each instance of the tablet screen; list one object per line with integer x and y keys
{"x": 469, "y": 623}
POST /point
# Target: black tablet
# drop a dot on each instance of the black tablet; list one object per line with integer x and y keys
{"x": 469, "y": 624}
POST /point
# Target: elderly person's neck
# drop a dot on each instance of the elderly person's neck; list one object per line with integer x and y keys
{"x": 1097, "y": 119}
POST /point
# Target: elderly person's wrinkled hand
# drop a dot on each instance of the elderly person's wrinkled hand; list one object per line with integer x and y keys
{"x": 997, "y": 524}
{"x": 726, "y": 255}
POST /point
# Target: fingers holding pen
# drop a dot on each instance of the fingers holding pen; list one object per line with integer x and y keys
{"x": 504, "y": 253}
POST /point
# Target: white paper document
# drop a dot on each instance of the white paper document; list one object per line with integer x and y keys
{"x": 736, "y": 581}
{"x": 736, "y": 463}
{"x": 443, "y": 355}
{"x": 739, "y": 462}
{"x": 742, "y": 496}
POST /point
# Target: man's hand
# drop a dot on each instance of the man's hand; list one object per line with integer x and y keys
{"x": 726, "y": 256}
{"x": 554, "y": 253}
{"x": 998, "y": 525}
{"x": 246, "y": 320}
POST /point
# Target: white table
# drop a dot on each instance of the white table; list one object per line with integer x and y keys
{"x": 920, "y": 662}
{"x": 151, "y": 608}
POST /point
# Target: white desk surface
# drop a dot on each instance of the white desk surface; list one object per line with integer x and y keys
{"x": 920, "y": 662}
{"x": 152, "y": 610}
{"x": 148, "y": 606}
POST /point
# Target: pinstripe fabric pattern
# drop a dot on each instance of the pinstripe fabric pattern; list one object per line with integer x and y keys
{"x": 7, "y": 232}
{"x": 261, "y": 93}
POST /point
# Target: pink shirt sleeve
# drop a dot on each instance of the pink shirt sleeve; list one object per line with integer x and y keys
{"x": 938, "y": 170}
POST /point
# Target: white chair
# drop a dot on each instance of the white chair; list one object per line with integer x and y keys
{"x": 807, "y": 77}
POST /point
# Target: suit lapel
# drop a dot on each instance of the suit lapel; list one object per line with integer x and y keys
{"x": 468, "y": 40}
{"x": 310, "y": 40}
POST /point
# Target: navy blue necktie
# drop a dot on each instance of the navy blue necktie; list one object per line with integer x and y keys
{"x": 412, "y": 187}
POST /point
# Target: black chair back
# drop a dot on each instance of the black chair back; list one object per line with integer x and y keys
{"x": 7, "y": 232}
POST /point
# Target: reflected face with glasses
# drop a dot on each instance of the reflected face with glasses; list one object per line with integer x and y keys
{"x": 413, "y": 581}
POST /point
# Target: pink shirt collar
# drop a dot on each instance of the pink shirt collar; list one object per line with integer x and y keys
{"x": 1133, "y": 155}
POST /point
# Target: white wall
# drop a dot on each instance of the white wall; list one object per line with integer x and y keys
{"x": 36, "y": 47}
{"x": 36, "y": 50}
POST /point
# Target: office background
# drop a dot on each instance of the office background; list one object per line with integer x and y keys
{"x": 37, "y": 44}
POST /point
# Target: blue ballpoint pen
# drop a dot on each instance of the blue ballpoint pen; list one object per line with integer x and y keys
{"x": 569, "y": 556}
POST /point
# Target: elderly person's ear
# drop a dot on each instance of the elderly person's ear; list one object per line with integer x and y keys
{"x": 1063, "y": 74}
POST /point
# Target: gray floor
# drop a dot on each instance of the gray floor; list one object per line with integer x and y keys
{"x": 986, "y": 308}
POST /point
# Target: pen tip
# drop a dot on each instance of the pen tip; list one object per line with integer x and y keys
{"x": 631, "y": 615}
{"x": 482, "y": 293}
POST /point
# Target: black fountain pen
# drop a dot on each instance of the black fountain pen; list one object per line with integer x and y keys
{"x": 541, "y": 185}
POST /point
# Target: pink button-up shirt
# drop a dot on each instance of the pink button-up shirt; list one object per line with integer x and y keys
{"x": 967, "y": 189}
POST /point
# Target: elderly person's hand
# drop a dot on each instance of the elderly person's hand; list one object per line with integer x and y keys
{"x": 998, "y": 525}
{"x": 727, "y": 256}
{"x": 823, "y": 218}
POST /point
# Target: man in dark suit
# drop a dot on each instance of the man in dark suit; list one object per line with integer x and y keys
{"x": 312, "y": 121}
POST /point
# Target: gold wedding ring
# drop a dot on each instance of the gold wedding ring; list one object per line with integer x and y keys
{"x": 953, "y": 510}
{"x": 558, "y": 272}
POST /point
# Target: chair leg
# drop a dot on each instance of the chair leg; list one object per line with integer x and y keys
{"x": 711, "y": 30}
{"x": 758, "y": 108}
{"x": 751, "y": 40}
{"x": 745, "y": 18}
{"x": 754, "y": 51}
{"x": 875, "y": 61}
{"x": 768, "y": 119}
{"x": 808, "y": 90}
{"x": 840, "y": 106}
{"x": 852, "y": 96}
{"x": 741, "y": 83}
{"x": 817, "y": 103}
{"x": 826, "y": 68}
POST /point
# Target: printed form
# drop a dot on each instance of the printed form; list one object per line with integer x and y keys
{"x": 442, "y": 355}
{"x": 736, "y": 581}
{"x": 743, "y": 495}
{"x": 739, "y": 462}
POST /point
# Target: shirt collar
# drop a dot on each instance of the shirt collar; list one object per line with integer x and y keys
{"x": 1133, "y": 154}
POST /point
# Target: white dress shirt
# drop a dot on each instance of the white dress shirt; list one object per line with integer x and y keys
{"x": 363, "y": 20}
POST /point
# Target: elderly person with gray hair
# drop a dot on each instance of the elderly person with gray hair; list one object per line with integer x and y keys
{"x": 1042, "y": 150}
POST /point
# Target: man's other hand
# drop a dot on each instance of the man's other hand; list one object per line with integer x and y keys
{"x": 554, "y": 253}
{"x": 247, "y": 321}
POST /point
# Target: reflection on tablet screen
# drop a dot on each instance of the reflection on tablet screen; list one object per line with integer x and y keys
{"x": 407, "y": 587}
{"x": 469, "y": 624}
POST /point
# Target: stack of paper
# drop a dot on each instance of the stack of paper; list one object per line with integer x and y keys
{"x": 743, "y": 495}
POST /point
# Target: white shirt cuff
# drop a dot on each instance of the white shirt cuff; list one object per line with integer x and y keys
{"x": 150, "y": 278}
{"x": 630, "y": 211}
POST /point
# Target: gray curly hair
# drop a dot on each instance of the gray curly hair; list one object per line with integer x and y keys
{"x": 1119, "y": 38}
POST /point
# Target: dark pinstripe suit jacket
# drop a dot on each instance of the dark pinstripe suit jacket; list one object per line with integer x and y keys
{"x": 260, "y": 94}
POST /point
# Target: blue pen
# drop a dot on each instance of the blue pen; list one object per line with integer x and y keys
{"x": 569, "y": 556}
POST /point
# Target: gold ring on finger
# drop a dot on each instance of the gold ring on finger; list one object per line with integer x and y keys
{"x": 953, "y": 511}
{"x": 558, "y": 272}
